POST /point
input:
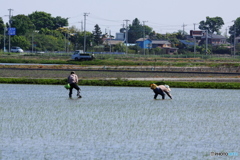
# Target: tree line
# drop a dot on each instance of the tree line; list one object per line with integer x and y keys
{"x": 39, "y": 31}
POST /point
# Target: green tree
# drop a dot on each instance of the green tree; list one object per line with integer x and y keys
{"x": 41, "y": 20}
{"x": 20, "y": 41}
{"x": 80, "y": 39}
{"x": 180, "y": 35}
{"x": 97, "y": 35}
{"x": 48, "y": 43}
{"x": 135, "y": 31}
{"x": 59, "y": 22}
{"x": 45, "y": 20}
{"x": 212, "y": 24}
{"x": 235, "y": 26}
{"x": 22, "y": 24}
{"x": 1, "y": 26}
{"x": 148, "y": 30}
{"x": 119, "y": 47}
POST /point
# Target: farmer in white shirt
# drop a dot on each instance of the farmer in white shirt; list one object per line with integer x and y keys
{"x": 73, "y": 81}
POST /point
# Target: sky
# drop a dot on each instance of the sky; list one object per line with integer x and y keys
{"x": 164, "y": 16}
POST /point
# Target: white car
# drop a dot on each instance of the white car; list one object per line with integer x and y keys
{"x": 16, "y": 50}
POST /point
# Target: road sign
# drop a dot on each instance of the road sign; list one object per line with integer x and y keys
{"x": 11, "y": 31}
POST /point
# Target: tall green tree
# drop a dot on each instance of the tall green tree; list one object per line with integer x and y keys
{"x": 213, "y": 25}
{"x": 233, "y": 28}
{"x": 59, "y": 22}
{"x": 45, "y": 20}
{"x": 97, "y": 35}
{"x": 41, "y": 20}
{"x": 23, "y": 24}
{"x": 138, "y": 30}
{"x": 1, "y": 33}
{"x": 135, "y": 31}
{"x": 1, "y": 26}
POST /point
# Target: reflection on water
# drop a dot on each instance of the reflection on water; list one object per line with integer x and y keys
{"x": 40, "y": 122}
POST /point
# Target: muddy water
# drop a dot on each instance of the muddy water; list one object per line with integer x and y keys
{"x": 41, "y": 122}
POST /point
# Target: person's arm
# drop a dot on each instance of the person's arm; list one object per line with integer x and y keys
{"x": 76, "y": 78}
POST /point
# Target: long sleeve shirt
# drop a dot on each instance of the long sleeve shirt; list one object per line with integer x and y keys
{"x": 72, "y": 78}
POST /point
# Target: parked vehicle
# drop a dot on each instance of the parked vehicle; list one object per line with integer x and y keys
{"x": 16, "y": 49}
{"x": 79, "y": 55}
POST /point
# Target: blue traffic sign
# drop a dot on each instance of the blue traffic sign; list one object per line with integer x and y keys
{"x": 11, "y": 31}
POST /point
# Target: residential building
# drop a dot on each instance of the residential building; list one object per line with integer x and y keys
{"x": 164, "y": 44}
{"x": 112, "y": 42}
{"x": 215, "y": 39}
{"x": 237, "y": 40}
{"x": 144, "y": 43}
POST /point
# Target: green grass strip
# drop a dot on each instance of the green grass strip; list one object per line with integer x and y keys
{"x": 121, "y": 82}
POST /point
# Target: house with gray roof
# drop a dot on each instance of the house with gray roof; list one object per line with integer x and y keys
{"x": 237, "y": 39}
{"x": 112, "y": 42}
{"x": 161, "y": 43}
{"x": 215, "y": 39}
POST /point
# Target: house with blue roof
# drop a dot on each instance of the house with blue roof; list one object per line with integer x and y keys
{"x": 164, "y": 44}
{"x": 144, "y": 43}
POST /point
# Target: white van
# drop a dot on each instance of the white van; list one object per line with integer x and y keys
{"x": 16, "y": 49}
{"x": 79, "y": 55}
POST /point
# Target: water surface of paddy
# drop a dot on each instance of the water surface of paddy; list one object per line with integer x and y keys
{"x": 41, "y": 122}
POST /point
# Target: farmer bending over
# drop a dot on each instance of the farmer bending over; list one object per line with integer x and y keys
{"x": 161, "y": 89}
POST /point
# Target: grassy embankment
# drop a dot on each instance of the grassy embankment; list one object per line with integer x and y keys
{"x": 122, "y": 82}
{"x": 125, "y": 60}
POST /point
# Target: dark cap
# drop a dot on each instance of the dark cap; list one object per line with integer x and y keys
{"x": 72, "y": 72}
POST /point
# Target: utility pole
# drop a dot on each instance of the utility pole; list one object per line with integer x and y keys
{"x": 206, "y": 41}
{"x": 230, "y": 40}
{"x": 144, "y": 36}
{"x": 194, "y": 40}
{"x": 226, "y": 32}
{"x": 183, "y": 27}
{"x": 234, "y": 41}
{"x": 110, "y": 41}
{"x": 4, "y": 39}
{"x": 85, "y": 14}
{"x": 10, "y": 21}
{"x": 194, "y": 25}
{"x": 126, "y": 34}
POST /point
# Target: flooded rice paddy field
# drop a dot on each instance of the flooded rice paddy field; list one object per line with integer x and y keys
{"x": 41, "y": 122}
